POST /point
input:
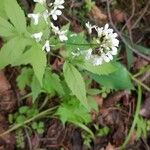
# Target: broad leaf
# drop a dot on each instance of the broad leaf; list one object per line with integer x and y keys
{"x": 12, "y": 51}
{"x": 52, "y": 83}
{"x": 103, "y": 69}
{"x": 75, "y": 82}
{"x": 36, "y": 88}
{"x": 37, "y": 58}
{"x": 24, "y": 78}
{"x": 16, "y": 15}
{"x": 2, "y": 10}
{"x": 6, "y": 29}
{"x": 72, "y": 111}
{"x": 117, "y": 80}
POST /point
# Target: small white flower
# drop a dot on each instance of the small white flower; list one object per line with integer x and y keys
{"x": 97, "y": 61}
{"x": 54, "y": 28}
{"x": 114, "y": 51}
{"x": 37, "y": 36}
{"x": 40, "y": 1}
{"x": 46, "y": 46}
{"x": 99, "y": 31}
{"x": 105, "y": 57}
{"x": 34, "y": 17}
{"x": 62, "y": 36}
{"x": 55, "y": 13}
{"x": 46, "y": 15}
{"x": 89, "y": 27}
{"x": 58, "y": 4}
{"x": 88, "y": 54}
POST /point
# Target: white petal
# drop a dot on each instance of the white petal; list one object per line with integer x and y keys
{"x": 97, "y": 61}
{"x": 58, "y": 12}
{"x": 46, "y": 46}
{"x": 105, "y": 58}
{"x": 114, "y": 51}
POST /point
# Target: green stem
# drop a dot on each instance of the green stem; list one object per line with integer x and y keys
{"x": 28, "y": 121}
{"x": 140, "y": 83}
{"x": 135, "y": 117}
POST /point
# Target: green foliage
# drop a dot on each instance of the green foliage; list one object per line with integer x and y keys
{"x": 2, "y": 10}
{"x": 20, "y": 140}
{"x": 76, "y": 41}
{"x": 16, "y": 15}
{"x": 141, "y": 127}
{"x": 52, "y": 83}
{"x": 103, "y": 69}
{"x": 6, "y": 29}
{"x": 102, "y": 131}
{"x": 30, "y": 57}
{"x": 25, "y": 113}
{"x": 75, "y": 82}
{"x": 72, "y": 111}
{"x": 117, "y": 80}
{"x": 25, "y": 78}
{"x": 38, "y": 126}
{"x": 12, "y": 51}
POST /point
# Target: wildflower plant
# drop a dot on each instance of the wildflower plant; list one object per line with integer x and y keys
{"x": 32, "y": 40}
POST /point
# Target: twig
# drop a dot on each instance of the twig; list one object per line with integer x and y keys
{"x": 17, "y": 126}
{"x": 124, "y": 41}
{"x": 133, "y": 11}
{"x": 29, "y": 140}
{"x": 142, "y": 14}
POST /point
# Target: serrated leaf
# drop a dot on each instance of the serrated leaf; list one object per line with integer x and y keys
{"x": 12, "y": 50}
{"x": 6, "y": 29}
{"x": 72, "y": 111}
{"x": 37, "y": 58}
{"x": 52, "y": 82}
{"x": 16, "y": 15}
{"x": 103, "y": 69}
{"x": 24, "y": 78}
{"x": 120, "y": 79}
{"x": 75, "y": 82}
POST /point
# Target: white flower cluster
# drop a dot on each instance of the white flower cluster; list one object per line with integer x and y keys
{"x": 106, "y": 45}
{"x": 56, "y": 8}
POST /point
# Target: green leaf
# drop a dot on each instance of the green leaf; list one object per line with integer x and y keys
{"x": 142, "y": 49}
{"x": 2, "y": 10}
{"x": 103, "y": 69}
{"x": 75, "y": 82}
{"x": 37, "y": 58}
{"x": 41, "y": 24}
{"x": 117, "y": 80}
{"x": 52, "y": 82}
{"x": 24, "y": 78}
{"x": 16, "y": 15}
{"x": 12, "y": 51}
{"x": 76, "y": 41}
{"x": 36, "y": 88}
{"x": 20, "y": 119}
{"x": 6, "y": 29}
{"x": 23, "y": 109}
{"x": 72, "y": 111}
